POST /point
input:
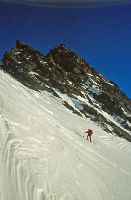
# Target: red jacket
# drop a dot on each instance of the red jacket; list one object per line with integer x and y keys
{"x": 89, "y": 131}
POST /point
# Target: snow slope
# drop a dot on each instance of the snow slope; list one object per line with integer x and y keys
{"x": 44, "y": 154}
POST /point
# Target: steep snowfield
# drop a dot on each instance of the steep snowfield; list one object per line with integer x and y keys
{"x": 44, "y": 154}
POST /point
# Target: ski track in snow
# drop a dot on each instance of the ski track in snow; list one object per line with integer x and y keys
{"x": 44, "y": 154}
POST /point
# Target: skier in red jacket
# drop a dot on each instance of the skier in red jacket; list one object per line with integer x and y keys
{"x": 90, "y": 132}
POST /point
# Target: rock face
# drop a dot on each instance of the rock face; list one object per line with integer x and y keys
{"x": 62, "y": 72}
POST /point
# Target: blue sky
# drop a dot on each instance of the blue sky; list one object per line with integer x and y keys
{"x": 100, "y": 34}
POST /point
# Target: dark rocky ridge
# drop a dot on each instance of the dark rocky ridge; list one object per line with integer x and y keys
{"x": 62, "y": 70}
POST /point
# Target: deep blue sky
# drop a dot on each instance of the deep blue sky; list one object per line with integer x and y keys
{"x": 102, "y": 35}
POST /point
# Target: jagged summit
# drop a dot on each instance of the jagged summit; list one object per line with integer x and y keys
{"x": 61, "y": 48}
{"x": 25, "y": 47}
{"x": 63, "y": 72}
{"x": 20, "y": 44}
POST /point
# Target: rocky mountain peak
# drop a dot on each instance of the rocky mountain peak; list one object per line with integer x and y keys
{"x": 61, "y": 48}
{"x": 20, "y": 44}
{"x": 67, "y": 60}
{"x": 26, "y": 48}
{"x": 63, "y": 72}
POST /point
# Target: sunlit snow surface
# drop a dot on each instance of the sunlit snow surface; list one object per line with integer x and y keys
{"x": 44, "y": 156}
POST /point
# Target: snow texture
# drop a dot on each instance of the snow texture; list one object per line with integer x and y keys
{"x": 95, "y": 90}
{"x": 33, "y": 73}
{"x": 44, "y": 154}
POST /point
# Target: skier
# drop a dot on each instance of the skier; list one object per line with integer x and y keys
{"x": 90, "y": 132}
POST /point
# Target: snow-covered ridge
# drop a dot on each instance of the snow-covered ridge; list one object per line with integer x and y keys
{"x": 44, "y": 154}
